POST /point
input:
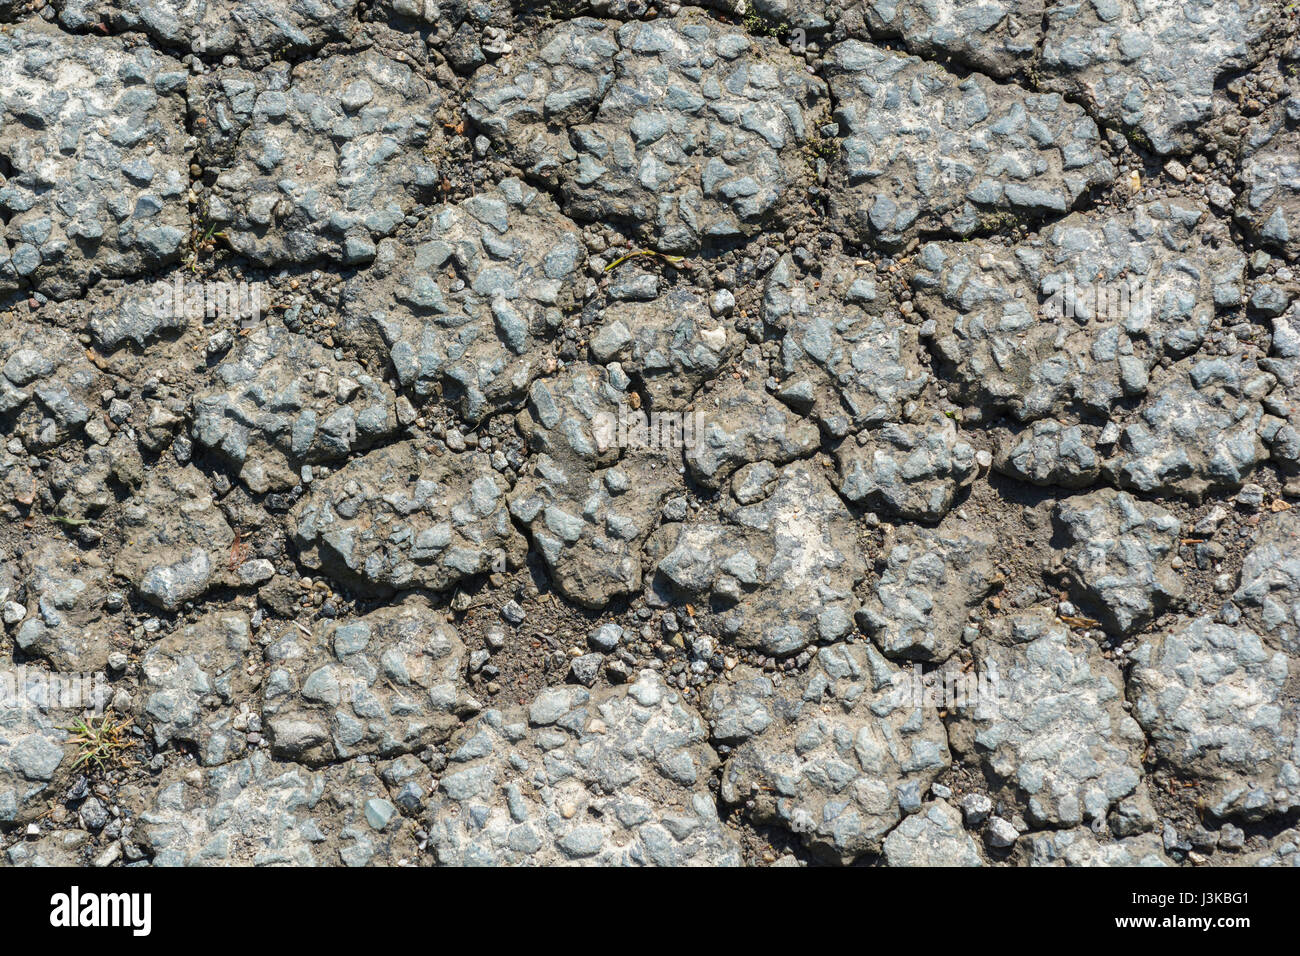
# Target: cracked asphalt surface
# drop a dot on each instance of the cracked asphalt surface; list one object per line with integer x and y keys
{"x": 782, "y": 432}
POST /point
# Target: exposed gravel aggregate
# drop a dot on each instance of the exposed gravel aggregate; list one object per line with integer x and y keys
{"x": 808, "y": 432}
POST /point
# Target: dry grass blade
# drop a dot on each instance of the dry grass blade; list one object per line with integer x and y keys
{"x": 643, "y": 252}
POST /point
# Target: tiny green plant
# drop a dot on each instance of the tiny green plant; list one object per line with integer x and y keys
{"x": 206, "y": 241}
{"x": 1140, "y": 139}
{"x": 998, "y": 221}
{"x": 102, "y": 742}
{"x": 760, "y": 26}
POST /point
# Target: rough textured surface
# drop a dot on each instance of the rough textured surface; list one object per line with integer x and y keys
{"x": 588, "y": 507}
{"x": 281, "y": 402}
{"x": 847, "y": 357}
{"x": 1054, "y": 728}
{"x": 385, "y": 684}
{"x": 1152, "y": 66}
{"x": 678, "y": 130}
{"x": 64, "y": 621}
{"x": 851, "y": 432}
{"x": 1268, "y": 592}
{"x": 259, "y": 813}
{"x": 1048, "y": 453}
{"x": 1215, "y": 702}
{"x": 1080, "y": 847}
{"x": 1270, "y": 202}
{"x": 782, "y": 568}
{"x": 837, "y": 753}
{"x": 197, "y": 684}
{"x": 92, "y": 137}
{"x": 400, "y": 518}
{"x": 933, "y": 837}
{"x": 1117, "y": 551}
{"x": 1189, "y": 439}
{"x": 467, "y": 307}
{"x": 907, "y": 471}
{"x": 328, "y": 152}
{"x": 181, "y": 541}
{"x": 989, "y": 302}
{"x": 609, "y": 780}
{"x": 46, "y": 385}
{"x": 218, "y": 27}
{"x": 912, "y": 169}
{"x": 31, "y": 750}
{"x": 744, "y": 425}
{"x": 995, "y": 37}
{"x": 668, "y": 346}
{"x": 930, "y": 581}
